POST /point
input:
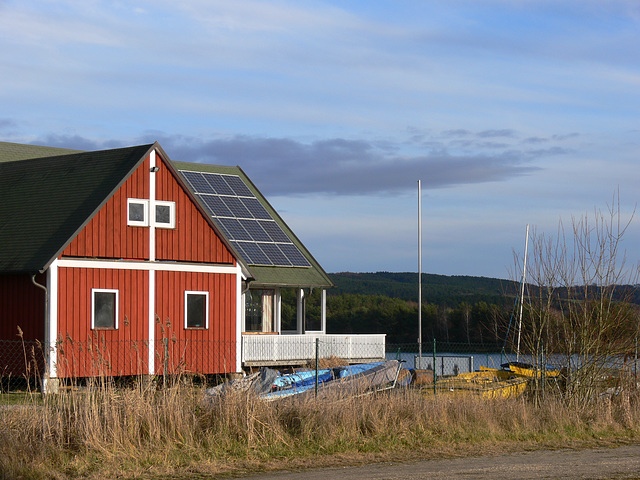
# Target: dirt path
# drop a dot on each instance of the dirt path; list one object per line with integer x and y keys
{"x": 603, "y": 463}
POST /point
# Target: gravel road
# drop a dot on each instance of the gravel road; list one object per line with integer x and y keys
{"x": 603, "y": 463}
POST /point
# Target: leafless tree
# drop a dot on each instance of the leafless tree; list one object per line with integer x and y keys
{"x": 579, "y": 311}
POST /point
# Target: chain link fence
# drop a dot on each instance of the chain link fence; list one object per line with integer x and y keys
{"x": 447, "y": 363}
{"x": 22, "y": 363}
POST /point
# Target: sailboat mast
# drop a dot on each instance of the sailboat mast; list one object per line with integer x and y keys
{"x": 524, "y": 274}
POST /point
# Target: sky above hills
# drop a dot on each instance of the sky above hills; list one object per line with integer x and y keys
{"x": 509, "y": 112}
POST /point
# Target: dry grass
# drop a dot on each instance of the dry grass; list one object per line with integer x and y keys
{"x": 143, "y": 431}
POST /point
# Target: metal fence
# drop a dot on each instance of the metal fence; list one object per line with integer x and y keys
{"x": 23, "y": 362}
{"x": 450, "y": 358}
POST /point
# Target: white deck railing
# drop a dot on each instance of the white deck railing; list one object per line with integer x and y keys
{"x": 295, "y": 349}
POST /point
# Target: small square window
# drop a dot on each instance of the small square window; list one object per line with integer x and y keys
{"x": 165, "y": 214}
{"x": 137, "y": 212}
{"x": 196, "y": 309}
{"x": 104, "y": 309}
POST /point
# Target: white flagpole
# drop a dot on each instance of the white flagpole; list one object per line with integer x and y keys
{"x": 419, "y": 271}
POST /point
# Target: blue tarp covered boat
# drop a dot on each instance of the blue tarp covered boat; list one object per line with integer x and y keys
{"x": 350, "y": 380}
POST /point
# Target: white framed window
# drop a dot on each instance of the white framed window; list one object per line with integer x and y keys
{"x": 137, "y": 212}
{"x": 104, "y": 309}
{"x": 165, "y": 214}
{"x": 196, "y": 309}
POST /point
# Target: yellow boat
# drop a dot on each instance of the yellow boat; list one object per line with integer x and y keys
{"x": 529, "y": 371}
{"x": 486, "y": 383}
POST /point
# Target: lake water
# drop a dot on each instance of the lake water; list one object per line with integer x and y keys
{"x": 454, "y": 363}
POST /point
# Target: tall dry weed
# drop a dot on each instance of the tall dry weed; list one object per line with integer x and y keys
{"x": 102, "y": 429}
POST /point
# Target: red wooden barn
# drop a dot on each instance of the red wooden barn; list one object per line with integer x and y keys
{"x": 123, "y": 262}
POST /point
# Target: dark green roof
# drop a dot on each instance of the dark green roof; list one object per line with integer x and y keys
{"x": 313, "y": 276}
{"x": 10, "y": 152}
{"x": 45, "y": 202}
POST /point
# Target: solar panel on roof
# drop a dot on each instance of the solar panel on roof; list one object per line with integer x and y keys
{"x": 255, "y": 252}
{"x": 237, "y": 207}
{"x": 275, "y": 232}
{"x": 197, "y": 181}
{"x": 216, "y": 206}
{"x": 245, "y": 255}
{"x": 235, "y": 230}
{"x": 294, "y": 255}
{"x": 238, "y": 186}
{"x": 244, "y": 220}
{"x": 275, "y": 254}
{"x": 218, "y": 183}
{"x": 223, "y": 228}
{"x": 255, "y": 230}
{"x": 255, "y": 207}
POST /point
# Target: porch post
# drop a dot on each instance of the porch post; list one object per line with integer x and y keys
{"x": 277, "y": 310}
{"x": 323, "y": 310}
{"x": 300, "y": 311}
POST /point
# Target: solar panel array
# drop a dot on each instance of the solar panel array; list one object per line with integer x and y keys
{"x": 246, "y": 223}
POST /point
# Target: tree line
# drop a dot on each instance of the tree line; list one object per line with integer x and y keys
{"x": 480, "y": 322}
{"x": 454, "y": 309}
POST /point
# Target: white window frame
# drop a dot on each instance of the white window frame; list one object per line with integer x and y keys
{"x": 172, "y": 214}
{"x": 206, "y": 309}
{"x": 145, "y": 204}
{"x": 93, "y": 308}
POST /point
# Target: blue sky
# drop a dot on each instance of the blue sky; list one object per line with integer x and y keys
{"x": 510, "y": 112}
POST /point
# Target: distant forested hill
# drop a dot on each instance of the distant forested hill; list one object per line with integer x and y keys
{"x": 436, "y": 289}
{"x": 454, "y": 308}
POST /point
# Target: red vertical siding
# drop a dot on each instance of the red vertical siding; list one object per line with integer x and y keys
{"x": 86, "y": 352}
{"x": 193, "y": 239}
{"x": 211, "y": 350}
{"x": 22, "y": 305}
{"x": 107, "y": 234}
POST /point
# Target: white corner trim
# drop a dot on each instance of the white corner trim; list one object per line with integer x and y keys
{"x": 239, "y": 317}
{"x": 51, "y": 329}
{"x": 152, "y": 322}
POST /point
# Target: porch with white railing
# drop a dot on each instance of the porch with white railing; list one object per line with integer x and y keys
{"x": 263, "y": 350}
